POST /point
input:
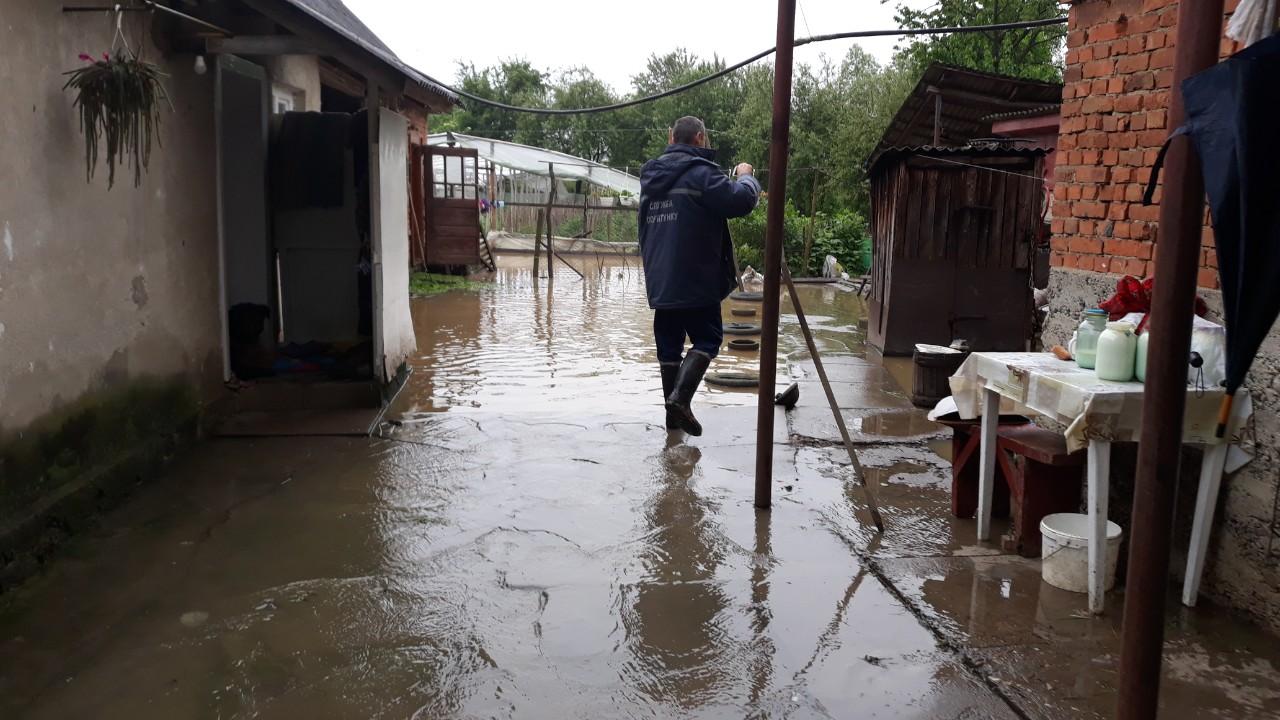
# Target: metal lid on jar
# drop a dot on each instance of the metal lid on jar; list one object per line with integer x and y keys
{"x": 1096, "y": 312}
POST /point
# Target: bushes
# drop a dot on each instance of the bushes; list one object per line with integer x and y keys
{"x": 843, "y": 234}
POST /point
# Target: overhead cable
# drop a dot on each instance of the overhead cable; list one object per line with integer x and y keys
{"x": 1024, "y": 24}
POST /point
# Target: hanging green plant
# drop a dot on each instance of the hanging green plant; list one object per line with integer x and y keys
{"x": 118, "y": 98}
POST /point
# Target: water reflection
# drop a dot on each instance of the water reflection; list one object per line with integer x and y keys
{"x": 520, "y": 343}
{"x": 762, "y": 646}
{"x": 674, "y": 624}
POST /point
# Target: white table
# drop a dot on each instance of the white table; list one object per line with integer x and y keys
{"x": 1096, "y": 413}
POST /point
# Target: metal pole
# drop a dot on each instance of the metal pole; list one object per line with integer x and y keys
{"x": 859, "y": 472}
{"x": 1159, "y": 449}
{"x": 779, "y": 139}
{"x": 937, "y": 119}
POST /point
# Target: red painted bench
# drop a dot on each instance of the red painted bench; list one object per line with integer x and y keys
{"x": 1035, "y": 476}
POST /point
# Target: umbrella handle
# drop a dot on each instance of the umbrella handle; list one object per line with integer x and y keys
{"x": 1224, "y": 414}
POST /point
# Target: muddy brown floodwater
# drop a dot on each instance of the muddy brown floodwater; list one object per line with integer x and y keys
{"x": 525, "y": 541}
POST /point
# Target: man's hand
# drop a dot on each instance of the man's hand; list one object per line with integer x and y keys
{"x": 742, "y": 169}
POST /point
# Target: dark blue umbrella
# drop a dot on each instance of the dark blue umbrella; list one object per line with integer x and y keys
{"x": 1233, "y": 118}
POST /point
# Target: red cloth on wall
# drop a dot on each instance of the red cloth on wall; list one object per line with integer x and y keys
{"x": 1134, "y": 295}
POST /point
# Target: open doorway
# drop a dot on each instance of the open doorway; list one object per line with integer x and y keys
{"x": 294, "y": 212}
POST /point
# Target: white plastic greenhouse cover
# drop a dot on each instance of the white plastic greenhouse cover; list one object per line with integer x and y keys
{"x": 535, "y": 161}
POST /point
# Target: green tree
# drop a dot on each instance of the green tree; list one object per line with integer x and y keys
{"x": 1028, "y": 53}
{"x": 839, "y": 112}
{"x": 869, "y": 94}
{"x": 514, "y": 82}
{"x": 586, "y": 136}
{"x": 717, "y": 103}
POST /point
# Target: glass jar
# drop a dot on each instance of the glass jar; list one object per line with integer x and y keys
{"x": 1140, "y": 359}
{"x": 1117, "y": 350}
{"x": 1086, "y": 346}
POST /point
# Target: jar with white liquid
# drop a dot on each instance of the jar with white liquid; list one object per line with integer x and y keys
{"x": 1084, "y": 346}
{"x": 1117, "y": 350}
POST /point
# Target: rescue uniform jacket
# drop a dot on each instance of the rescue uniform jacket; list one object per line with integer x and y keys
{"x": 685, "y": 204}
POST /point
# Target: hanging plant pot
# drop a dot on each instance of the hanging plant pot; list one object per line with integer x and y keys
{"x": 118, "y": 99}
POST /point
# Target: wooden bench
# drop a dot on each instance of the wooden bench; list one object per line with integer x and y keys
{"x": 1035, "y": 476}
{"x": 1043, "y": 478}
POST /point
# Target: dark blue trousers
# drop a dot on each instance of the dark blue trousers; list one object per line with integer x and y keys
{"x": 701, "y": 325}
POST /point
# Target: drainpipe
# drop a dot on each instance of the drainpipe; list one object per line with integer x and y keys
{"x": 937, "y": 117}
{"x": 778, "y": 141}
{"x": 1159, "y": 448}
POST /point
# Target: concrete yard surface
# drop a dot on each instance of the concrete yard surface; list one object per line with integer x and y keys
{"x": 523, "y": 539}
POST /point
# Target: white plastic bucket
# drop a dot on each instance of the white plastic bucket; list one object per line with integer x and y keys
{"x": 1065, "y": 551}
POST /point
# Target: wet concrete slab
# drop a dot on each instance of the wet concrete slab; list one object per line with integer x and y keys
{"x": 1044, "y": 650}
{"x": 855, "y": 395}
{"x": 866, "y": 425}
{"x": 853, "y": 370}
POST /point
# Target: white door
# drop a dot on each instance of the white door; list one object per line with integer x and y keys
{"x": 394, "y": 340}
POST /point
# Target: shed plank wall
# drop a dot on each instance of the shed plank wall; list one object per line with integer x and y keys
{"x": 944, "y": 229}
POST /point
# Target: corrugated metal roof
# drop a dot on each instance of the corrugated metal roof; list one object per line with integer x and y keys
{"x": 973, "y": 150}
{"x": 535, "y": 160}
{"x": 969, "y": 97}
{"x": 339, "y": 18}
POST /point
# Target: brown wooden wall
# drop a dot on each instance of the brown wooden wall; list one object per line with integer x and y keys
{"x": 953, "y": 244}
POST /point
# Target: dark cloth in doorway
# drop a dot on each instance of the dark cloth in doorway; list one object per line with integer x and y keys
{"x": 702, "y": 325}
{"x": 308, "y": 160}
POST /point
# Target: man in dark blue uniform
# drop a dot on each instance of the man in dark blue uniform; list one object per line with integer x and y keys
{"x": 685, "y": 204}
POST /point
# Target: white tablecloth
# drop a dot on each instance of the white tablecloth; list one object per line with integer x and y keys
{"x": 1041, "y": 384}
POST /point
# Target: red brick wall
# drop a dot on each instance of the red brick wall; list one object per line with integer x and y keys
{"x": 1115, "y": 100}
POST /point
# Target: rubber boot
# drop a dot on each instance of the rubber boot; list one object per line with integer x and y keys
{"x": 687, "y": 381}
{"x": 669, "y": 372}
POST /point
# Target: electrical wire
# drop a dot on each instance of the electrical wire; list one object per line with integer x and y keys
{"x": 1043, "y": 22}
{"x": 805, "y": 18}
{"x": 984, "y": 167}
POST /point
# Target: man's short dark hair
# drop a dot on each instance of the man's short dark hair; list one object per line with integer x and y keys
{"x": 686, "y": 130}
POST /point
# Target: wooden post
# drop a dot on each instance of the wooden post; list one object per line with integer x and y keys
{"x": 493, "y": 197}
{"x": 418, "y": 156}
{"x": 813, "y": 216}
{"x": 373, "y": 105}
{"x": 537, "y": 244}
{"x": 551, "y": 199}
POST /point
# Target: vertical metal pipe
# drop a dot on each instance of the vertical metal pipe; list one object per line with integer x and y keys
{"x": 779, "y": 140}
{"x": 937, "y": 119}
{"x": 1172, "y": 302}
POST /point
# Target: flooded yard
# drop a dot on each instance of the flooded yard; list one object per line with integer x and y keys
{"x": 525, "y": 540}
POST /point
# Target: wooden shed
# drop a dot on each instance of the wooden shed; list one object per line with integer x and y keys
{"x": 953, "y": 233}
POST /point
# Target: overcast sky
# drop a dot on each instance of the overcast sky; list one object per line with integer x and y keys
{"x": 612, "y": 39}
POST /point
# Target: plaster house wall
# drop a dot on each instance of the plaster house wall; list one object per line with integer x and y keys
{"x": 301, "y": 72}
{"x": 100, "y": 290}
{"x": 1114, "y": 119}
